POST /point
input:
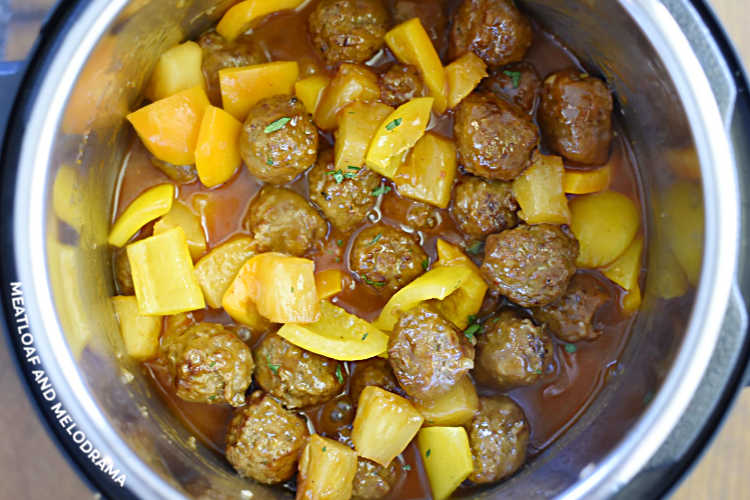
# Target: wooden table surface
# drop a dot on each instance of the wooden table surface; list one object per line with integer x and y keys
{"x": 32, "y": 468}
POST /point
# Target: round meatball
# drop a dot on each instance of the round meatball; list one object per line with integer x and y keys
{"x": 482, "y": 207}
{"x": 371, "y": 480}
{"x": 283, "y": 221}
{"x": 209, "y": 364}
{"x": 530, "y": 265}
{"x": 576, "y": 117}
{"x": 219, "y": 54}
{"x": 495, "y": 139}
{"x": 375, "y": 372}
{"x": 348, "y": 30}
{"x": 123, "y": 276}
{"x": 495, "y": 30}
{"x": 345, "y": 197}
{"x": 265, "y": 441}
{"x": 422, "y": 217}
{"x": 278, "y": 140}
{"x": 400, "y": 84}
{"x": 428, "y": 353}
{"x": 517, "y": 83}
{"x": 297, "y": 377}
{"x": 571, "y": 317}
{"x": 498, "y": 436}
{"x": 386, "y": 258}
{"x": 432, "y": 16}
{"x": 511, "y": 352}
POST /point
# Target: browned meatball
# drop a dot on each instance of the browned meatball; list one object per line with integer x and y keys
{"x": 511, "y": 352}
{"x": 386, "y": 258}
{"x": 498, "y": 436}
{"x": 375, "y": 372}
{"x": 400, "y": 84}
{"x": 371, "y": 480}
{"x": 494, "y": 138}
{"x": 345, "y": 197}
{"x": 482, "y": 207}
{"x": 181, "y": 174}
{"x": 494, "y": 30}
{"x": 431, "y": 15}
{"x": 571, "y": 317}
{"x": 123, "y": 276}
{"x": 576, "y": 117}
{"x": 517, "y": 83}
{"x": 208, "y": 364}
{"x": 531, "y": 265}
{"x": 219, "y": 54}
{"x": 278, "y": 140}
{"x": 348, "y": 30}
{"x": 283, "y": 221}
{"x": 297, "y": 377}
{"x": 428, "y": 353}
{"x": 264, "y": 441}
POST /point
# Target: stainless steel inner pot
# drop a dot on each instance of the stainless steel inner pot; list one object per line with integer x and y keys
{"x": 678, "y": 101}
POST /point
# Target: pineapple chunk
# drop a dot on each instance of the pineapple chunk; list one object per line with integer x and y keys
{"x": 358, "y": 123}
{"x": 326, "y": 470}
{"x": 352, "y": 83}
{"x": 464, "y": 75}
{"x": 447, "y": 458}
{"x": 309, "y": 90}
{"x": 329, "y": 283}
{"x": 243, "y": 87}
{"x": 216, "y": 270}
{"x": 539, "y": 192}
{"x": 429, "y": 170}
{"x": 139, "y": 333}
{"x": 238, "y": 303}
{"x": 182, "y": 216}
{"x": 455, "y": 407}
{"x": 179, "y": 68}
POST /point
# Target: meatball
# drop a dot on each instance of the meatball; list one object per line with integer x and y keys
{"x": 386, "y": 258}
{"x": 219, "y": 54}
{"x": 123, "y": 276}
{"x": 371, "y": 480}
{"x": 348, "y": 30}
{"x": 375, "y": 372}
{"x": 208, "y": 364}
{"x": 576, "y": 117}
{"x": 531, "y": 265}
{"x": 278, "y": 140}
{"x": 482, "y": 207}
{"x": 498, "y": 436}
{"x": 517, "y": 83}
{"x": 297, "y": 377}
{"x": 571, "y": 317}
{"x": 422, "y": 217}
{"x": 344, "y": 197}
{"x": 283, "y": 221}
{"x": 494, "y": 138}
{"x": 431, "y": 15}
{"x": 511, "y": 352}
{"x": 428, "y": 353}
{"x": 181, "y": 174}
{"x": 494, "y": 30}
{"x": 400, "y": 84}
{"x": 264, "y": 441}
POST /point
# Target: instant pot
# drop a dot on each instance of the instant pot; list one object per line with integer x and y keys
{"x": 683, "y": 100}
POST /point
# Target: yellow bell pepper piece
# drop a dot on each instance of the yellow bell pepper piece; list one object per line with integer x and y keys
{"x": 464, "y": 75}
{"x": 329, "y": 283}
{"x": 467, "y": 299}
{"x": 216, "y": 270}
{"x": 587, "y": 181}
{"x": 241, "y": 16}
{"x": 238, "y": 303}
{"x": 163, "y": 275}
{"x": 352, "y": 83}
{"x": 455, "y": 407}
{"x": 450, "y": 255}
{"x": 326, "y": 470}
{"x": 683, "y": 226}
{"x": 169, "y": 127}
{"x": 397, "y": 134}
{"x": 626, "y": 269}
{"x": 150, "y": 205}
{"x": 181, "y": 216}
{"x": 539, "y": 192}
{"x": 337, "y": 335}
{"x": 242, "y": 88}
{"x": 179, "y": 68}
{"x": 309, "y": 90}
{"x": 411, "y": 44}
{"x": 446, "y": 455}
{"x": 139, "y": 333}
{"x": 429, "y": 170}
{"x": 217, "y": 152}
{"x": 358, "y": 123}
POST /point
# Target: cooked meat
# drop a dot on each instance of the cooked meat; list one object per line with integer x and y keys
{"x": 481, "y": 207}
{"x": 219, "y": 54}
{"x": 372, "y": 480}
{"x": 375, "y": 371}
{"x": 518, "y": 83}
{"x": 400, "y": 84}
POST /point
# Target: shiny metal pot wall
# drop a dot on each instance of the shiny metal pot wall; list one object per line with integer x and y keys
{"x": 677, "y": 98}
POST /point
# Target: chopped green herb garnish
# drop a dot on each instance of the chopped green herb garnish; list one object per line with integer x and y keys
{"x": 269, "y": 161}
{"x": 277, "y": 125}
{"x": 292, "y": 289}
{"x": 515, "y": 76}
{"x": 212, "y": 364}
{"x": 352, "y": 167}
{"x": 428, "y": 453}
{"x": 273, "y": 367}
{"x": 472, "y": 318}
{"x": 571, "y": 348}
{"x": 382, "y": 189}
{"x": 339, "y": 176}
{"x": 538, "y": 372}
{"x": 472, "y": 330}
{"x": 340, "y": 243}
{"x": 375, "y": 239}
{"x": 476, "y": 248}
{"x": 406, "y": 467}
{"x": 395, "y": 123}
{"x": 364, "y": 337}
{"x": 425, "y": 264}
{"x": 339, "y": 376}
{"x": 212, "y": 397}
{"x": 373, "y": 283}
{"x": 324, "y": 449}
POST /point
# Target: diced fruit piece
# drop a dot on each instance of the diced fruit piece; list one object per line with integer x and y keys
{"x": 241, "y": 16}
{"x": 464, "y": 75}
{"x": 539, "y": 192}
{"x": 411, "y": 44}
{"x": 180, "y": 215}
{"x": 139, "y": 333}
{"x": 398, "y": 133}
{"x": 352, "y": 83}
{"x": 626, "y": 269}
{"x": 384, "y": 425}
{"x": 309, "y": 90}
{"x": 326, "y": 470}
{"x": 239, "y": 305}
{"x": 683, "y": 226}
{"x": 587, "y": 181}
{"x": 447, "y": 458}
{"x": 358, "y": 123}
{"x": 179, "y": 68}
{"x": 429, "y": 170}
{"x": 169, "y": 127}
{"x": 455, "y": 407}
{"x": 329, "y": 283}
{"x": 216, "y": 270}
{"x": 605, "y": 224}
{"x": 217, "y": 153}
{"x": 150, "y": 205}
{"x": 449, "y": 255}
{"x": 242, "y": 88}
{"x": 163, "y": 275}
{"x": 337, "y": 335}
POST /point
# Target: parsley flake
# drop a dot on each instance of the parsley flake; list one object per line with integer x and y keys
{"x": 277, "y": 125}
{"x": 339, "y": 176}
{"x": 476, "y": 248}
{"x": 292, "y": 289}
{"x": 515, "y": 76}
{"x": 375, "y": 239}
{"x": 323, "y": 449}
{"x": 340, "y": 243}
{"x": 212, "y": 397}
{"x": 364, "y": 337}
{"x": 273, "y": 367}
{"x": 425, "y": 264}
{"x": 352, "y": 167}
{"x": 395, "y": 123}
{"x": 373, "y": 283}
{"x": 571, "y": 348}
{"x": 538, "y": 372}
{"x": 339, "y": 376}
{"x": 381, "y": 190}
{"x": 269, "y": 162}
{"x": 428, "y": 453}
{"x": 472, "y": 330}
{"x": 406, "y": 467}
